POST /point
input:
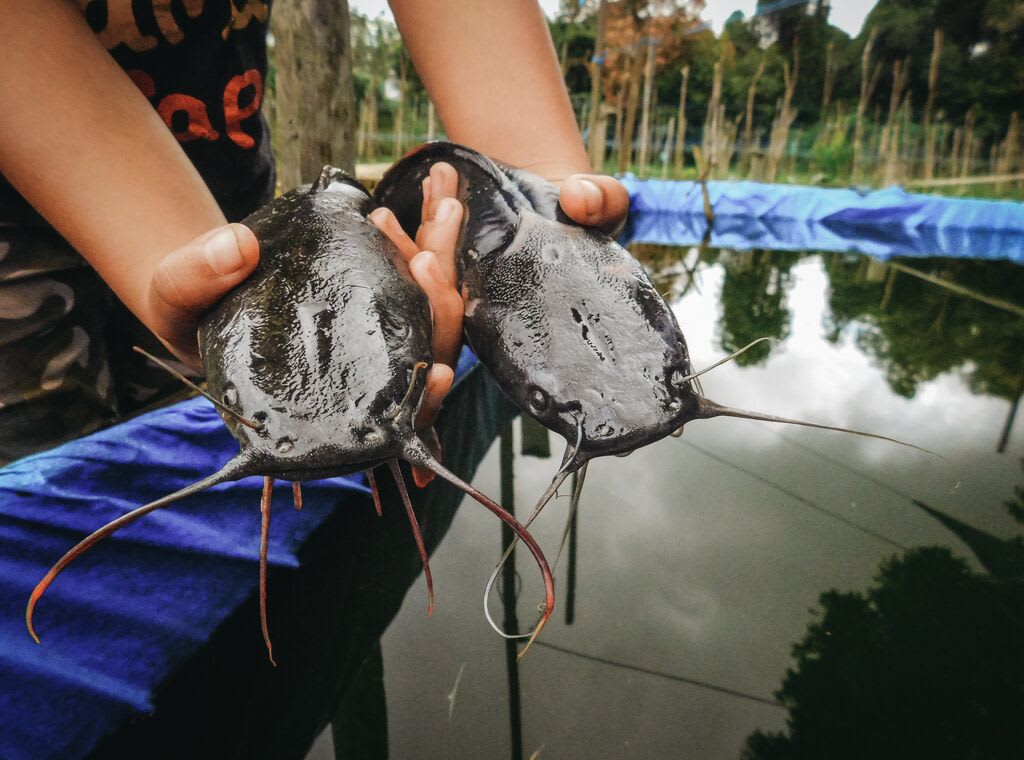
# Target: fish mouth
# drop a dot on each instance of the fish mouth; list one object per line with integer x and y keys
{"x": 606, "y": 439}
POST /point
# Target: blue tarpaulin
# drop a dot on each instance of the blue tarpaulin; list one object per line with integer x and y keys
{"x": 124, "y": 617}
{"x": 880, "y": 223}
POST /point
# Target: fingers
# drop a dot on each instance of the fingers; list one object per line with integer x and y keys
{"x": 445, "y": 303}
{"x": 387, "y": 223}
{"x": 439, "y": 382}
{"x": 442, "y": 183}
{"x": 595, "y": 200}
{"x": 190, "y": 280}
{"x": 442, "y": 215}
{"x": 440, "y": 234}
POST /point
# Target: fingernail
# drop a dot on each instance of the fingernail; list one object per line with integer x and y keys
{"x": 444, "y": 210}
{"x": 377, "y": 215}
{"x": 222, "y": 252}
{"x": 436, "y": 183}
{"x": 591, "y": 196}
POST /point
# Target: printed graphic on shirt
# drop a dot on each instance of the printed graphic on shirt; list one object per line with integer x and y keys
{"x": 202, "y": 65}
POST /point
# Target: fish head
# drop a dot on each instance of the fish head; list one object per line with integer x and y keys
{"x": 585, "y": 343}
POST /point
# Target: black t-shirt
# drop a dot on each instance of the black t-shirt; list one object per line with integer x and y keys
{"x": 203, "y": 66}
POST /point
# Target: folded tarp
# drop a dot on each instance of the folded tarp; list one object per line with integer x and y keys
{"x": 120, "y": 621}
{"x": 880, "y": 223}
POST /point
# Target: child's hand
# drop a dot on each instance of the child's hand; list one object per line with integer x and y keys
{"x": 431, "y": 260}
{"x": 191, "y": 279}
{"x": 595, "y": 200}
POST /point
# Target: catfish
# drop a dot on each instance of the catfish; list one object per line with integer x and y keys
{"x": 317, "y": 364}
{"x": 564, "y": 318}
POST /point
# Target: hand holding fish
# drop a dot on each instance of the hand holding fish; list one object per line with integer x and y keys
{"x": 190, "y": 280}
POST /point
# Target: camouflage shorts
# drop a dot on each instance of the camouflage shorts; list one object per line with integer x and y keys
{"x": 66, "y": 364}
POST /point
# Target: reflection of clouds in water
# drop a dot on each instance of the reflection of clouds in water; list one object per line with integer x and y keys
{"x": 809, "y": 378}
{"x": 690, "y": 566}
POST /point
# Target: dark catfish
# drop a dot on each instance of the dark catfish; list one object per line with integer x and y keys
{"x": 565, "y": 319}
{"x": 317, "y": 362}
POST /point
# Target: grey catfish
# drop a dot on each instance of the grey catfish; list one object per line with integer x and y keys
{"x": 316, "y": 362}
{"x": 565, "y": 319}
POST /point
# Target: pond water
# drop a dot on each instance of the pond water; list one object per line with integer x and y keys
{"x": 701, "y": 561}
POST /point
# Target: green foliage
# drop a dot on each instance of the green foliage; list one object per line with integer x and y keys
{"x": 834, "y": 159}
{"x": 922, "y": 331}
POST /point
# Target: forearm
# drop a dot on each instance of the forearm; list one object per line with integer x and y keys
{"x": 492, "y": 72}
{"x": 87, "y": 150}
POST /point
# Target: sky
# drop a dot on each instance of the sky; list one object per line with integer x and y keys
{"x": 848, "y": 15}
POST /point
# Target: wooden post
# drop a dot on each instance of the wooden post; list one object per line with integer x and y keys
{"x": 783, "y": 118}
{"x": 315, "y": 95}
{"x": 645, "y": 117}
{"x": 403, "y": 89}
{"x": 1006, "y": 156}
{"x": 709, "y": 135}
{"x": 748, "y": 126}
{"x": 620, "y": 107}
{"x": 680, "y": 146}
{"x": 830, "y": 78}
{"x": 666, "y": 153}
{"x": 633, "y": 99}
{"x": 969, "y": 147}
{"x": 596, "y": 66}
{"x": 868, "y": 82}
{"x": 900, "y": 72}
{"x": 929, "y": 106}
{"x": 954, "y": 154}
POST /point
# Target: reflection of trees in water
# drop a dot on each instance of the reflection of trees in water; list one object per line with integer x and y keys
{"x": 667, "y": 266}
{"x": 918, "y": 330}
{"x": 753, "y": 292}
{"x": 926, "y": 663}
{"x": 754, "y": 301}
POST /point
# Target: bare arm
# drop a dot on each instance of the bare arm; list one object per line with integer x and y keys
{"x": 492, "y": 72}
{"x": 86, "y": 149}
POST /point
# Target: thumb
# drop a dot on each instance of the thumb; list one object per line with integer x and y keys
{"x": 191, "y": 279}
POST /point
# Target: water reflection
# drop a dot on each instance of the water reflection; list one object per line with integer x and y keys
{"x": 924, "y": 663}
{"x": 698, "y": 559}
{"x": 918, "y": 330}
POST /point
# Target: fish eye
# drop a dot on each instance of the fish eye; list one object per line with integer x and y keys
{"x": 539, "y": 400}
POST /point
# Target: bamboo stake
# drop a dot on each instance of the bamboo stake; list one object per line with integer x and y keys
{"x": 710, "y": 133}
{"x": 929, "y": 132}
{"x": 666, "y": 153}
{"x": 645, "y": 116}
{"x": 680, "y": 147}
{"x": 968, "y": 149}
{"x": 633, "y": 100}
{"x": 900, "y": 71}
{"x": 371, "y": 122}
{"x": 620, "y": 107}
{"x": 748, "y": 126}
{"x": 596, "y": 65}
{"x": 1006, "y": 159}
{"x": 785, "y": 115}
{"x": 830, "y": 78}
{"x": 955, "y": 153}
{"x": 868, "y": 82}
{"x": 403, "y": 88}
